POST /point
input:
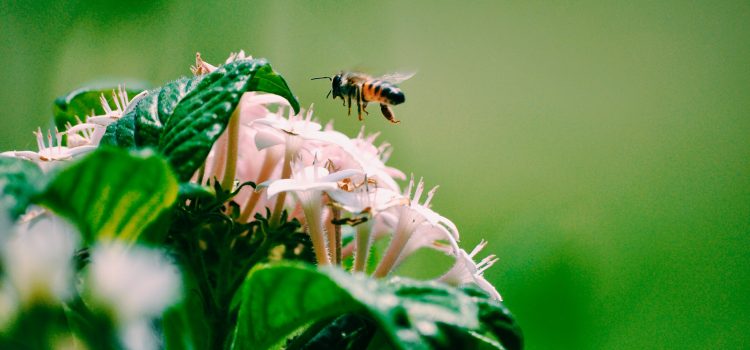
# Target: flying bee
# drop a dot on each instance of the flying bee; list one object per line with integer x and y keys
{"x": 365, "y": 89}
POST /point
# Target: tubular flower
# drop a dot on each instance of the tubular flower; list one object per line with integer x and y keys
{"x": 414, "y": 219}
{"x": 308, "y": 185}
{"x": 50, "y": 151}
{"x": 466, "y": 271}
{"x": 368, "y": 202}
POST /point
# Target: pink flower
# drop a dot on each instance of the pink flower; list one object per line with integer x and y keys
{"x": 415, "y": 220}
{"x": 50, "y": 151}
{"x": 466, "y": 271}
{"x": 307, "y": 185}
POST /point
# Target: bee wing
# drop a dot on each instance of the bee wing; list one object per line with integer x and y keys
{"x": 396, "y": 78}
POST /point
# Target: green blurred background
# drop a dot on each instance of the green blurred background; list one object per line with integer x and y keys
{"x": 602, "y": 148}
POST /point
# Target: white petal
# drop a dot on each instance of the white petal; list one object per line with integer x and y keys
{"x": 340, "y": 175}
{"x": 282, "y": 185}
{"x": 265, "y": 139}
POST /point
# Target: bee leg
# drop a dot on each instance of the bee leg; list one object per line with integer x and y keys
{"x": 349, "y": 100}
{"x": 364, "y": 107}
{"x": 388, "y": 113}
{"x": 358, "y": 91}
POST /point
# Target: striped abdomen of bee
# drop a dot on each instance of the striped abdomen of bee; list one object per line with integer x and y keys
{"x": 382, "y": 92}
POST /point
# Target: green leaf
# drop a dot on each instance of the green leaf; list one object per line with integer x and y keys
{"x": 121, "y": 133}
{"x": 194, "y": 190}
{"x": 496, "y": 319}
{"x": 203, "y": 114}
{"x": 277, "y": 300}
{"x": 186, "y": 325}
{"x": 154, "y": 109}
{"x": 112, "y": 193}
{"x": 20, "y": 180}
{"x": 267, "y": 80}
{"x": 83, "y": 102}
{"x": 348, "y": 332}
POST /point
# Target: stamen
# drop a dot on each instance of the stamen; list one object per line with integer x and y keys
{"x": 418, "y": 191}
{"x": 407, "y": 193}
{"x": 429, "y": 196}
{"x": 105, "y": 105}
{"x": 58, "y": 136}
{"x": 116, "y": 100}
{"x": 486, "y": 263}
{"x": 477, "y": 249}
{"x": 49, "y": 139}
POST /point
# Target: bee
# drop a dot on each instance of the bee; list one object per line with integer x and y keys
{"x": 365, "y": 89}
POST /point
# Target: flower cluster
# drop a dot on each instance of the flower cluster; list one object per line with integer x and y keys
{"x": 330, "y": 177}
{"x": 340, "y": 190}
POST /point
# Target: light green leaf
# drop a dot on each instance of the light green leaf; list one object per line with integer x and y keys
{"x": 277, "y": 300}
{"x": 112, "y": 193}
{"x": 83, "y": 102}
{"x": 203, "y": 114}
{"x": 20, "y": 180}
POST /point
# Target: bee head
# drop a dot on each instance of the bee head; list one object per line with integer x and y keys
{"x": 336, "y": 86}
{"x": 335, "y": 82}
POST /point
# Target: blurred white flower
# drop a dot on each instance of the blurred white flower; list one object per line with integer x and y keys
{"x": 466, "y": 271}
{"x": 140, "y": 335}
{"x": 134, "y": 283}
{"x": 38, "y": 259}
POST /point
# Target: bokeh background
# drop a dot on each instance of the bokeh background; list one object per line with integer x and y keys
{"x": 603, "y": 148}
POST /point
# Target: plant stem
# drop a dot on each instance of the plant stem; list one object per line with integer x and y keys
{"x": 362, "y": 246}
{"x": 337, "y": 234}
{"x": 312, "y": 216}
{"x": 400, "y": 237}
{"x": 266, "y": 169}
{"x": 286, "y": 172}
{"x": 217, "y": 167}
{"x": 233, "y": 135}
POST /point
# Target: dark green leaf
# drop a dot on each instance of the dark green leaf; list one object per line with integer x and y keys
{"x": 20, "y": 180}
{"x": 496, "y": 319}
{"x": 277, "y": 300}
{"x": 121, "y": 133}
{"x": 83, "y": 102}
{"x": 203, "y": 114}
{"x": 112, "y": 193}
{"x": 194, "y": 190}
{"x": 152, "y": 112}
{"x": 348, "y": 332}
{"x": 267, "y": 80}
{"x": 186, "y": 324}
{"x": 95, "y": 329}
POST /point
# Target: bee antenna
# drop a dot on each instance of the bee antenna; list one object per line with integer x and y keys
{"x": 329, "y": 78}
